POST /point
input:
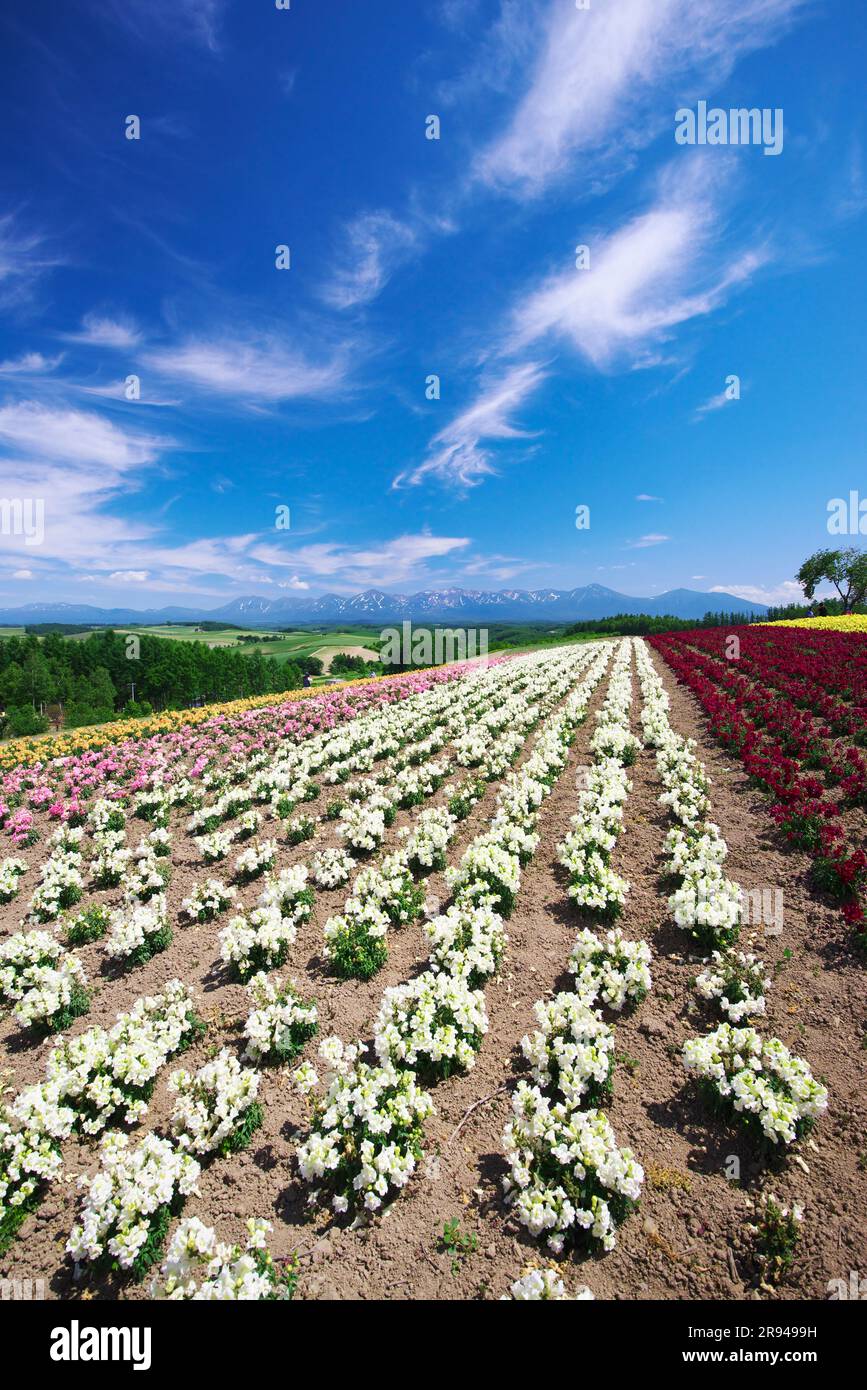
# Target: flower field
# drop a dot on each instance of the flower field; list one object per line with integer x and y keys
{"x": 843, "y": 622}
{"x": 446, "y": 986}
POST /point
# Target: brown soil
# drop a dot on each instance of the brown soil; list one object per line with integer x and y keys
{"x": 688, "y": 1239}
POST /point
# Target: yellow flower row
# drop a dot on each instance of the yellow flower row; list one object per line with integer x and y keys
{"x": 854, "y": 622}
{"x": 42, "y": 747}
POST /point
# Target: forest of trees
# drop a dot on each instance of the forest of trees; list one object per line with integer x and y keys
{"x": 107, "y": 674}
{"x": 640, "y": 624}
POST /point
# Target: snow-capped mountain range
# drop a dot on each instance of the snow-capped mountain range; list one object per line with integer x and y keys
{"x": 431, "y": 605}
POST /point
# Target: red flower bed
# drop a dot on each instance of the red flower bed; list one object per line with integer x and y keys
{"x": 791, "y": 705}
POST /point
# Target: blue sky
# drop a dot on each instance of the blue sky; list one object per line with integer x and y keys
{"x": 305, "y": 388}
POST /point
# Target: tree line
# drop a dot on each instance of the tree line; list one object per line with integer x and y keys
{"x": 641, "y": 624}
{"x": 97, "y": 678}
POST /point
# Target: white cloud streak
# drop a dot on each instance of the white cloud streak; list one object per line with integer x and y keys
{"x": 376, "y": 245}
{"x": 605, "y": 81}
{"x": 264, "y": 369}
{"x": 458, "y": 455}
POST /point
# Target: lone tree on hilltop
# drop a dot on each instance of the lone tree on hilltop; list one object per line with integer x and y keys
{"x": 845, "y": 569}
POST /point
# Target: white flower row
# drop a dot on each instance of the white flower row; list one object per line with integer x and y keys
{"x": 706, "y": 904}
{"x": 568, "y": 1180}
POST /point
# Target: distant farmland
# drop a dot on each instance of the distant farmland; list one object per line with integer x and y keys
{"x": 283, "y": 646}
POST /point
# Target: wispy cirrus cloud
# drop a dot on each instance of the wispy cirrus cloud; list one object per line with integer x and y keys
{"x": 104, "y": 331}
{"x": 30, "y": 364}
{"x": 459, "y": 454}
{"x": 118, "y": 391}
{"x": 376, "y": 244}
{"x": 722, "y": 398}
{"x": 659, "y": 270}
{"x": 263, "y": 368}
{"x": 604, "y": 80}
{"x": 646, "y": 497}
{"x": 24, "y": 258}
{"x": 162, "y": 21}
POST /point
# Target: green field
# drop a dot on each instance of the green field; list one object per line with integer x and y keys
{"x": 281, "y": 645}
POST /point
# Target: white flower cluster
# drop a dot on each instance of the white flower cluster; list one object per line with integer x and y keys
{"x": 684, "y": 778}
{"x": 29, "y": 1158}
{"x": 362, "y": 824}
{"x": 759, "y": 1078}
{"x": 331, "y": 868}
{"x": 138, "y": 931}
{"x": 737, "y": 980}
{"x": 125, "y": 1200}
{"x": 111, "y": 861}
{"x": 567, "y": 1177}
{"x": 486, "y": 871}
{"x": 542, "y": 1285}
{"x": 468, "y": 941}
{"x": 355, "y": 938}
{"x": 106, "y": 816}
{"x": 382, "y": 896}
{"x": 260, "y": 939}
{"x": 366, "y": 1131}
{"x": 585, "y": 853}
{"x": 253, "y": 862}
{"x": 281, "y": 1021}
{"x": 231, "y": 804}
{"x": 299, "y": 829}
{"x": 412, "y": 785}
{"x": 60, "y": 882}
{"x": 694, "y": 850}
{"x": 147, "y": 879}
{"x": 200, "y": 1268}
{"x": 41, "y": 979}
{"x": 248, "y": 824}
{"x": 157, "y": 842}
{"x": 433, "y": 1025}
{"x": 426, "y": 843}
{"x": 207, "y": 900}
{"x": 215, "y": 846}
{"x": 610, "y": 968}
{"x": 215, "y": 1107}
{"x": 11, "y": 871}
{"x": 708, "y": 906}
{"x": 571, "y": 1051}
